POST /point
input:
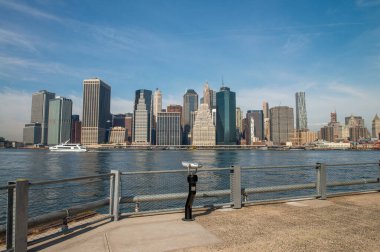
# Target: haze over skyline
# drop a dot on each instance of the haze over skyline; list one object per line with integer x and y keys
{"x": 262, "y": 50}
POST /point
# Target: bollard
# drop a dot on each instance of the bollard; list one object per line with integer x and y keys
{"x": 321, "y": 181}
{"x": 192, "y": 180}
{"x": 235, "y": 184}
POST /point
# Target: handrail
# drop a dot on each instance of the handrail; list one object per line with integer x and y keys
{"x": 70, "y": 179}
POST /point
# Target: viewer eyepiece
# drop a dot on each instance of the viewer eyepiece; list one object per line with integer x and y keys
{"x": 191, "y": 165}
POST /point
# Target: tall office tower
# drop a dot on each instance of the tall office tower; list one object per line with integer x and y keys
{"x": 238, "y": 124}
{"x": 96, "y": 111}
{"x": 301, "y": 115}
{"x": 266, "y": 121}
{"x": 225, "y": 117}
{"x": 282, "y": 124}
{"x": 190, "y": 104}
{"x": 141, "y": 135}
{"x": 118, "y": 120}
{"x": 255, "y": 126}
{"x": 157, "y": 103}
{"x": 169, "y": 128}
{"x": 129, "y": 126}
{"x": 60, "y": 111}
{"x": 213, "y": 99}
{"x": 265, "y": 109}
{"x": 40, "y": 112}
{"x": 32, "y": 133}
{"x": 207, "y": 95}
{"x": 147, "y": 99}
{"x": 356, "y": 128}
{"x": 213, "y": 115}
{"x": 76, "y": 126}
{"x": 244, "y": 128}
{"x": 376, "y": 127}
{"x": 203, "y": 129}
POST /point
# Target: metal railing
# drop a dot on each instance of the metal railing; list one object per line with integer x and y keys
{"x": 132, "y": 193}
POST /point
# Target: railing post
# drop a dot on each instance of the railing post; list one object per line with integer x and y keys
{"x": 378, "y": 179}
{"x": 112, "y": 190}
{"x": 20, "y": 216}
{"x": 235, "y": 184}
{"x": 321, "y": 181}
{"x": 9, "y": 232}
{"x": 116, "y": 195}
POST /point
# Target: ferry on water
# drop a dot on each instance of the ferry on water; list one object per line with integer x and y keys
{"x": 67, "y": 147}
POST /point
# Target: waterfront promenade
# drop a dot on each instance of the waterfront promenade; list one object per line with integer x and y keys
{"x": 346, "y": 223}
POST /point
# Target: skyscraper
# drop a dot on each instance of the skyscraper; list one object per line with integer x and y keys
{"x": 190, "y": 104}
{"x": 129, "y": 126}
{"x": 40, "y": 112}
{"x": 204, "y": 129}
{"x": 333, "y": 131}
{"x": 76, "y": 126}
{"x": 169, "y": 128}
{"x": 96, "y": 111}
{"x": 301, "y": 115}
{"x": 225, "y": 117}
{"x": 118, "y": 120}
{"x": 265, "y": 109}
{"x": 255, "y": 126}
{"x": 60, "y": 111}
{"x": 376, "y": 127}
{"x": 32, "y": 133}
{"x": 157, "y": 103}
{"x": 143, "y": 102}
{"x": 239, "y": 126}
{"x": 266, "y": 121}
{"x": 282, "y": 124}
{"x": 207, "y": 94}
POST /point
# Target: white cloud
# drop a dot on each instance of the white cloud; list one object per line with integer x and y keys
{"x": 14, "y": 113}
{"x": 23, "y": 8}
{"x": 11, "y": 38}
{"x": 121, "y": 106}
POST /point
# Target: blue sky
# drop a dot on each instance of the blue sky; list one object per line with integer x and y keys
{"x": 263, "y": 50}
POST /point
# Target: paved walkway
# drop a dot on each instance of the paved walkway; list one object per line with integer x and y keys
{"x": 349, "y": 223}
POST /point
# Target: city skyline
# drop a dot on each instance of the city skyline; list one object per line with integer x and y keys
{"x": 263, "y": 51}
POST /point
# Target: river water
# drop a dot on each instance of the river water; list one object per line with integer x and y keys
{"x": 39, "y": 165}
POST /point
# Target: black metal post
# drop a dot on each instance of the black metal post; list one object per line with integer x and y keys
{"x": 192, "y": 179}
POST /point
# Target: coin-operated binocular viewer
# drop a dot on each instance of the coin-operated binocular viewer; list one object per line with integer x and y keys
{"x": 192, "y": 179}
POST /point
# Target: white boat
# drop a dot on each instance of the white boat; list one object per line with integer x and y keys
{"x": 67, "y": 147}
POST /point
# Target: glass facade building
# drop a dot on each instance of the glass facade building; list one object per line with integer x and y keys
{"x": 190, "y": 104}
{"x": 40, "y": 112}
{"x": 60, "y": 111}
{"x": 225, "y": 117}
{"x": 301, "y": 115}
